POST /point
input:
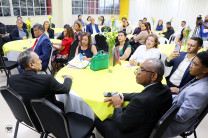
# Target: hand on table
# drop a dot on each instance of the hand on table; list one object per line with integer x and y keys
{"x": 115, "y": 100}
{"x": 174, "y": 54}
{"x": 24, "y": 38}
{"x": 84, "y": 58}
{"x": 174, "y": 90}
{"x": 69, "y": 76}
{"x": 133, "y": 62}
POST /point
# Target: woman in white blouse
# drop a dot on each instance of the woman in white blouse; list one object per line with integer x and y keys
{"x": 144, "y": 52}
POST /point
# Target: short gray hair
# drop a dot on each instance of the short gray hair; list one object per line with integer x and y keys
{"x": 19, "y": 20}
{"x": 24, "y": 58}
{"x": 158, "y": 67}
{"x": 39, "y": 26}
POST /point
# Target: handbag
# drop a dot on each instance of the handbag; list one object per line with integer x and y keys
{"x": 99, "y": 61}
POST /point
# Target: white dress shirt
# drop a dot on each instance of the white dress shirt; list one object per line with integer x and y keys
{"x": 141, "y": 54}
{"x": 94, "y": 30}
{"x": 177, "y": 76}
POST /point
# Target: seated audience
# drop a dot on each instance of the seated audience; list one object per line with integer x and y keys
{"x": 24, "y": 24}
{"x": 64, "y": 46}
{"x": 138, "y": 29}
{"x": 180, "y": 39}
{"x": 80, "y": 20}
{"x": 102, "y": 21}
{"x": 47, "y": 30}
{"x": 144, "y": 20}
{"x": 109, "y": 23}
{"x": 170, "y": 30}
{"x": 61, "y": 36}
{"x": 125, "y": 27}
{"x": 202, "y": 34}
{"x": 141, "y": 37}
{"x": 139, "y": 117}
{"x": 149, "y": 25}
{"x": 86, "y": 48}
{"x": 146, "y": 51}
{"x": 31, "y": 85}
{"x": 124, "y": 47}
{"x": 192, "y": 98}
{"x": 92, "y": 28}
{"x": 88, "y": 20}
{"x": 3, "y": 27}
{"x": 42, "y": 45}
{"x": 180, "y": 75}
{"x": 78, "y": 30}
{"x": 19, "y": 33}
{"x": 159, "y": 26}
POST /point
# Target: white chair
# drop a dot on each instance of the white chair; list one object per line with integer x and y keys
{"x": 163, "y": 40}
{"x": 172, "y": 39}
{"x": 167, "y": 69}
{"x": 205, "y": 44}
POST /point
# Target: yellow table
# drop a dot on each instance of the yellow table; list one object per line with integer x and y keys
{"x": 21, "y": 45}
{"x": 90, "y": 85}
{"x": 167, "y": 48}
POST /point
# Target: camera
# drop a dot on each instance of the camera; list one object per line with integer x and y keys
{"x": 198, "y": 20}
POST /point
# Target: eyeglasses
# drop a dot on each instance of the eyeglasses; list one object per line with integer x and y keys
{"x": 140, "y": 70}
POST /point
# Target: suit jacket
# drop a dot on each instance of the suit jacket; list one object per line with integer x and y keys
{"x": 15, "y": 34}
{"x": 143, "y": 111}
{"x": 42, "y": 49}
{"x": 175, "y": 63}
{"x": 192, "y": 101}
{"x": 51, "y": 33}
{"x": 90, "y": 30}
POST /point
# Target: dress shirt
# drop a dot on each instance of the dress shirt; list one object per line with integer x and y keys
{"x": 141, "y": 53}
{"x": 176, "y": 77}
{"x": 94, "y": 30}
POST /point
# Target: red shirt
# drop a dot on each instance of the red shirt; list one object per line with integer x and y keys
{"x": 67, "y": 43}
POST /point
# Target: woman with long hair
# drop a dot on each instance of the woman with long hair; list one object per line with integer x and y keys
{"x": 102, "y": 21}
{"x": 78, "y": 30}
{"x": 47, "y": 30}
{"x": 180, "y": 39}
{"x": 159, "y": 26}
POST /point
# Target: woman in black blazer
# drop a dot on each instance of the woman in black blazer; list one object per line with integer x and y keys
{"x": 48, "y": 31}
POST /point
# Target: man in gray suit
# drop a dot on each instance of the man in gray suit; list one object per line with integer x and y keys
{"x": 192, "y": 98}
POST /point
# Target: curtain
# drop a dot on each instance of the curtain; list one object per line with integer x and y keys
{"x": 180, "y": 10}
{"x": 124, "y": 11}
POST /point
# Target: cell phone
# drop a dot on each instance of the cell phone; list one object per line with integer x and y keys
{"x": 177, "y": 48}
{"x": 64, "y": 76}
{"x": 110, "y": 94}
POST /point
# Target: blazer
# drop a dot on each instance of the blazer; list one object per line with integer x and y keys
{"x": 51, "y": 33}
{"x": 15, "y": 34}
{"x": 175, "y": 63}
{"x": 43, "y": 49}
{"x": 144, "y": 110}
{"x": 192, "y": 101}
{"x": 90, "y": 30}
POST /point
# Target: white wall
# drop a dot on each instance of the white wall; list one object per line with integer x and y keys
{"x": 186, "y": 10}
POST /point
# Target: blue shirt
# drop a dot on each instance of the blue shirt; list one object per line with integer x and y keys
{"x": 202, "y": 31}
{"x": 159, "y": 28}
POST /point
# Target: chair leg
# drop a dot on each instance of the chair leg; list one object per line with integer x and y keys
{"x": 42, "y": 135}
{"x": 195, "y": 136}
{"x": 16, "y": 129}
{"x": 46, "y": 135}
{"x": 49, "y": 70}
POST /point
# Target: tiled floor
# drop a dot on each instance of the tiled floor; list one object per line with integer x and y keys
{"x": 7, "y": 120}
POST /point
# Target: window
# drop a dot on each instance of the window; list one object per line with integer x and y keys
{"x": 5, "y": 8}
{"x": 25, "y": 7}
{"x": 95, "y": 6}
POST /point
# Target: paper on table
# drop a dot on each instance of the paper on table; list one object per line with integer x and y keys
{"x": 129, "y": 66}
{"x": 78, "y": 62}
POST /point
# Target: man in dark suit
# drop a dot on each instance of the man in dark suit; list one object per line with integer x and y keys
{"x": 31, "y": 85}
{"x": 180, "y": 62}
{"x": 19, "y": 33}
{"x": 42, "y": 45}
{"x": 144, "y": 109}
{"x": 170, "y": 30}
{"x": 92, "y": 28}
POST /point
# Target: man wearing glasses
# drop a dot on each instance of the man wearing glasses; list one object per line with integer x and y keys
{"x": 19, "y": 33}
{"x": 144, "y": 109}
{"x": 192, "y": 98}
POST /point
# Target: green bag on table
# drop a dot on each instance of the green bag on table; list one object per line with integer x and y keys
{"x": 99, "y": 61}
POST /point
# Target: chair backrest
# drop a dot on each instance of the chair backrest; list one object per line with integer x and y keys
{"x": 53, "y": 25}
{"x": 164, "y": 121}
{"x": 198, "y": 121}
{"x": 73, "y": 49}
{"x": 172, "y": 39}
{"x": 2, "y": 64}
{"x": 101, "y": 42}
{"x": 18, "y": 107}
{"x": 51, "y": 117}
{"x": 163, "y": 40}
